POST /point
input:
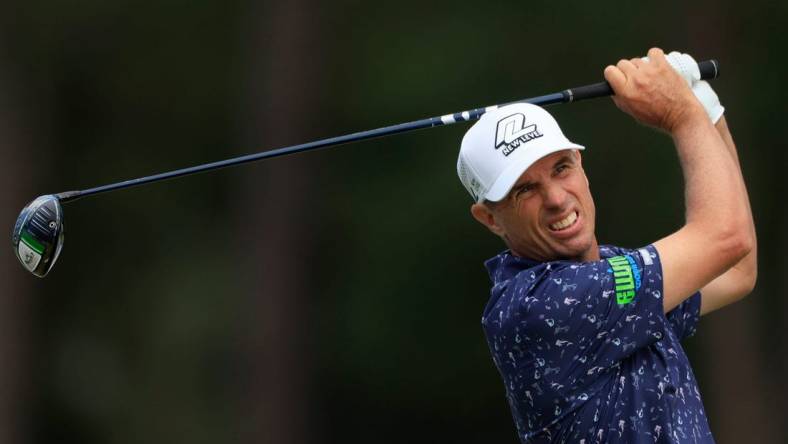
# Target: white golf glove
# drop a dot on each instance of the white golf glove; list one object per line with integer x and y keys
{"x": 685, "y": 65}
{"x": 708, "y": 98}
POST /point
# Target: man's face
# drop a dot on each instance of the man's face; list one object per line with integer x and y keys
{"x": 549, "y": 212}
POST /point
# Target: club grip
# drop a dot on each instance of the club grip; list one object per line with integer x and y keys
{"x": 594, "y": 90}
{"x": 709, "y": 69}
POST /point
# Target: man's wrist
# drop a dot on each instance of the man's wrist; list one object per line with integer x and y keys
{"x": 691, "y": 117}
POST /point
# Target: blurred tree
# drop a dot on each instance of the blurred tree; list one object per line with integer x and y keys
{"x": 733, "y": 368}
{"x": 275, "y": 219}
{"x": 16, "y": 177}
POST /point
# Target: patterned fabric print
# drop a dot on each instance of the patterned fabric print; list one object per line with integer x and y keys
{"x": 586, "y": 353}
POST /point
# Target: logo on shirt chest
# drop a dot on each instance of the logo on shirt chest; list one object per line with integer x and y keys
{"x": 626, "y": 276}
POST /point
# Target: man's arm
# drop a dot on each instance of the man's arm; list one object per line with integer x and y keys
{"x": 739, "y": 280}
{"x": 716, "y": 234}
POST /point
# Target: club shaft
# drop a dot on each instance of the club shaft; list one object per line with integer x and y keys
{"x": 709, "y": 70}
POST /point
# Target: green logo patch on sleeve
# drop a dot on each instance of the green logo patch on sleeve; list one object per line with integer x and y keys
{"x": 626, "y": 276}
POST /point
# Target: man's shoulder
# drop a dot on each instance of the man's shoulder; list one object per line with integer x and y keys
{"x": 608, "y": 251}
{"x": 519, "y": 279}
{"x": 505, "y": 266}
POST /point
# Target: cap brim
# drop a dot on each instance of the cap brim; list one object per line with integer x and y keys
{"x": 509, "y": 177}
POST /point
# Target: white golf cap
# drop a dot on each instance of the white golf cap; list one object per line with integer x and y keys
{"x": 498, "y": 149}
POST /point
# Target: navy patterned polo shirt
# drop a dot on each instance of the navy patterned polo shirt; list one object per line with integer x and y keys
{"x": 586, "y": 353}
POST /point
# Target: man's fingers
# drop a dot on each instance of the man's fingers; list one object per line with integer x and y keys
{"x": 657, "y": 55}
{"x": 616, "y": 78}
{"x": 638, "y": 62}
{"x": 626, "y": 67}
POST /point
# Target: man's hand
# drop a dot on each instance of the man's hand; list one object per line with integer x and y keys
{"x": 653, "y": 92}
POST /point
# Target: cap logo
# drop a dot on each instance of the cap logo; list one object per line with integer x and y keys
{"x": 512, "y": 133}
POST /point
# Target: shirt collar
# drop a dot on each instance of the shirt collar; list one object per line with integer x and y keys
{"x": 505, "y": 265}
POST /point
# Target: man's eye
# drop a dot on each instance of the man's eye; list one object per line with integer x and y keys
{"x": 524, "y": 189}
{"x": 561, "y": 168}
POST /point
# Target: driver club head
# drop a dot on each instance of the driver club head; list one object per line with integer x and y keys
{"x": 38, "y": 235}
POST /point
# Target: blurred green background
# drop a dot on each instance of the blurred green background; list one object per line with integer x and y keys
{"x": 335, "y": 296}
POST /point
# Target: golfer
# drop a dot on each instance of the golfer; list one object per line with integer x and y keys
{"x": 585, "y": 336}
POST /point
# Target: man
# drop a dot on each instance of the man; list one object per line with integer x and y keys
{"x": 586, "y": 337}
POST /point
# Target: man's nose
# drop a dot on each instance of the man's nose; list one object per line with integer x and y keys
{"x": 554, "y": 196}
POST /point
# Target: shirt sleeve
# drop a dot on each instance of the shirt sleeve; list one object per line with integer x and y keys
{"x": 591, "y": 315}
{"x": 684, "y": 318}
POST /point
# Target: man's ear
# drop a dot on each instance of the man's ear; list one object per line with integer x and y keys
{"x": 485, "y": 216}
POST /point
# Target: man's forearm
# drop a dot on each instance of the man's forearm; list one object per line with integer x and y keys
{"x": 715, "y": 194}
{"x": 740, "y": 279}
{"x": 749, "y": 264}
{"x": 716, "y": 234}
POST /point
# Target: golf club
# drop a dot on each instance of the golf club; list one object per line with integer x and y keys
{"x": 37, "y": 237}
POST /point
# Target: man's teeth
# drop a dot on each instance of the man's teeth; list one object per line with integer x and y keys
{"x": 566, "y": 222}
